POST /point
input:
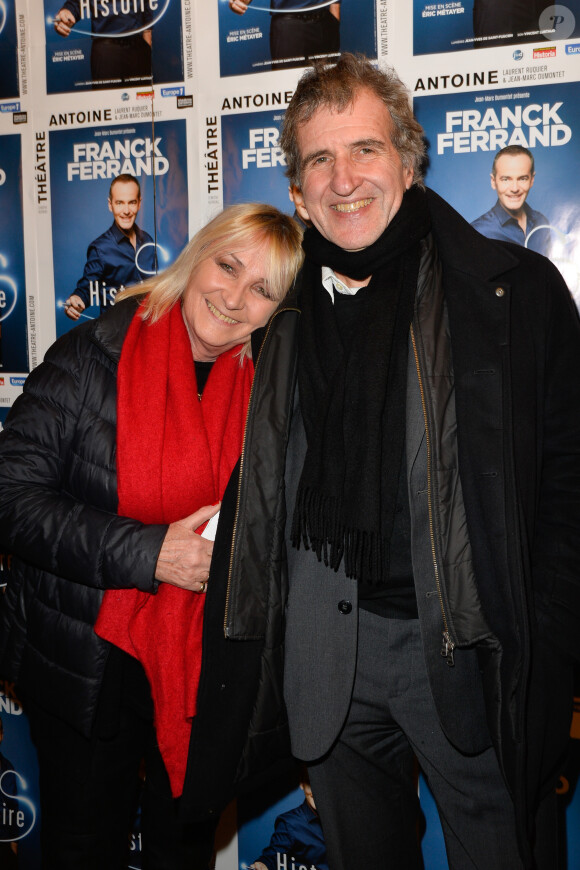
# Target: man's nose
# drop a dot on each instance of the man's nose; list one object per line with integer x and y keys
{"x": 345, "y": 177}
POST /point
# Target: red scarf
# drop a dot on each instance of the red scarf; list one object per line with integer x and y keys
{"x": 175, "y": 454}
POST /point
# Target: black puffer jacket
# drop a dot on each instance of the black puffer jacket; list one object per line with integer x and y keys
{"x": 58, "y": 517}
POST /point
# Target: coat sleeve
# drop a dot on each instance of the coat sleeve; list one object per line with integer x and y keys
{"x": 556, "y": 545}
{"x": 58, "y": 497}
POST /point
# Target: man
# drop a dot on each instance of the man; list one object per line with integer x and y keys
{"x": 121, "y": 41}
{"x": 432, "y": 481}
{"x": 512, "y": 219}
{"x": 299, "y": 30}
{"x": 121, "y": 256}
{"x": 297, "y": 836}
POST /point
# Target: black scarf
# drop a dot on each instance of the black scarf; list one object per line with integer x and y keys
{"x": 353, "y": 396}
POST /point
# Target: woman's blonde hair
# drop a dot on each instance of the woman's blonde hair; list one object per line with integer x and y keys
{"x": 235, "y": 228}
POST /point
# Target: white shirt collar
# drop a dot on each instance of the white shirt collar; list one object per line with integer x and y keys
{"x": 332, "y": 283}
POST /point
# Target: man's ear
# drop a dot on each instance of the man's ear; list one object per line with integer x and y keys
{"x": 492, "y": 176}
{"x": 298, "y": 200}
{"x": 110, "y": 206}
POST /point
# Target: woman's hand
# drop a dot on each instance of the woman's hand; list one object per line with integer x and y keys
{"x": 185, "y": 556}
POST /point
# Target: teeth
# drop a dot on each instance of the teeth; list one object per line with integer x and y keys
{"x": 352, "y": 206}
{"x": 218, "y": 314}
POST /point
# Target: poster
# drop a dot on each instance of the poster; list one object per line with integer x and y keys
{"x": 112, "y": 44}
{"x": 83, "y": 163}
{"x": 284, "y": 34}
{"x": 19, "y": 801}
{"x": 253, "y": 162}
{"x": 13, "y": 329}
{"x": 464, "y": 131}
{"x": 279, "y": 828}
{"x": 454, "y": 25}
{"x": 8, "y": 51}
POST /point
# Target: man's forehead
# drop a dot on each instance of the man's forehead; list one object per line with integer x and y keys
{"x": 519, "y": 164}
{"x": 127, "y": 189}
{"x": 372, "y": 113}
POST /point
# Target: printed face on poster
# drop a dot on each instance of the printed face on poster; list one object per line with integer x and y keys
{"x": 465, "y": 131}
{"x": 92, "y": 252}
{"x": 101, "y": 44}
{"x": 456, "y": 25}
{"x": 13, "y": 330}
{"x": 8, "y": 51}
{"x": 262, "y": 35}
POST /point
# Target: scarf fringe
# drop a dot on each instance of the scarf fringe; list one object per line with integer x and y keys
{"x": 318, "y": 526}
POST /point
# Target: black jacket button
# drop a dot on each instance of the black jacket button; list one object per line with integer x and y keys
{"x": 344, "y": 606}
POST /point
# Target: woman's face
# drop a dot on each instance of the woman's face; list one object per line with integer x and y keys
{"x": 227, "y": 298}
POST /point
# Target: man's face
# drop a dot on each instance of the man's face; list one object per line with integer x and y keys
{"x": 352, "y": 178}
{"x": 513, "y": 180}
{"x": 125, "y": 202}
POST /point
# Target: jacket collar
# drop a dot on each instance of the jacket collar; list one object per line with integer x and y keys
{"x": 119, "y": 235}
{"x": 462, "y": 248}
{"x": 110, "y": 328}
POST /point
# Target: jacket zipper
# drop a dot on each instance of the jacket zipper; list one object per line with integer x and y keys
{"x": 241, "y": 474}
{"x": 447, "y": 644}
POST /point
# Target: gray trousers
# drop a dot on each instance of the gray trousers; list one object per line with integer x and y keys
{"x": 365, "y": 788}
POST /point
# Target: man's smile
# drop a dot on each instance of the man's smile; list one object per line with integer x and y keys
{"x": 349, "y": 207}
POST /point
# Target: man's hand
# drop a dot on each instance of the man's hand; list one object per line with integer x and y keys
{"x": 257, "y": 865}
{"x": 74, "y": 306}
{"x": 239, "y": 6}
{"x": 64, "y": 21}
{"x": 185, "y": 557}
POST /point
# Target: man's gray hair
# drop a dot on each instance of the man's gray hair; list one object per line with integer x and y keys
{"x": 335, "y": 87}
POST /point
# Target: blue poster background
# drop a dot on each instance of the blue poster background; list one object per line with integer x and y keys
{"x": 460, "y": 160}
{"x": 245, "y": 39}
{"x": 13, "y": 331}
{"x": 447, "y": 25}
{"x": 8, "y": 51}
{"x": 79, "y": 207}
{"x": 17, "y": 748}
{"x": 252, "y": 159}
{"x": 68, "y": 65}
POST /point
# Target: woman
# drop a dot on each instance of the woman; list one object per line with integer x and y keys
{"x": 111, "y": 462}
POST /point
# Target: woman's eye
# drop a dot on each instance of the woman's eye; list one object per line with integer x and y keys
{"x": 263, "y": 292}
{"x": 227, "y": 267}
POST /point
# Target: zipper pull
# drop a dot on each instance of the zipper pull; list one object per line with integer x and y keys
{"x": 447, "y": 649}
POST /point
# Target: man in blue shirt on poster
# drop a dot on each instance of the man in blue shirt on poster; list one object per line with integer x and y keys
{"x": 121, "y": 42}
{"x": 512, "y": 219}
{"x": 120, "y": 257}
{"x": 297, "y": 838}
{"x": 299, "y": 30}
